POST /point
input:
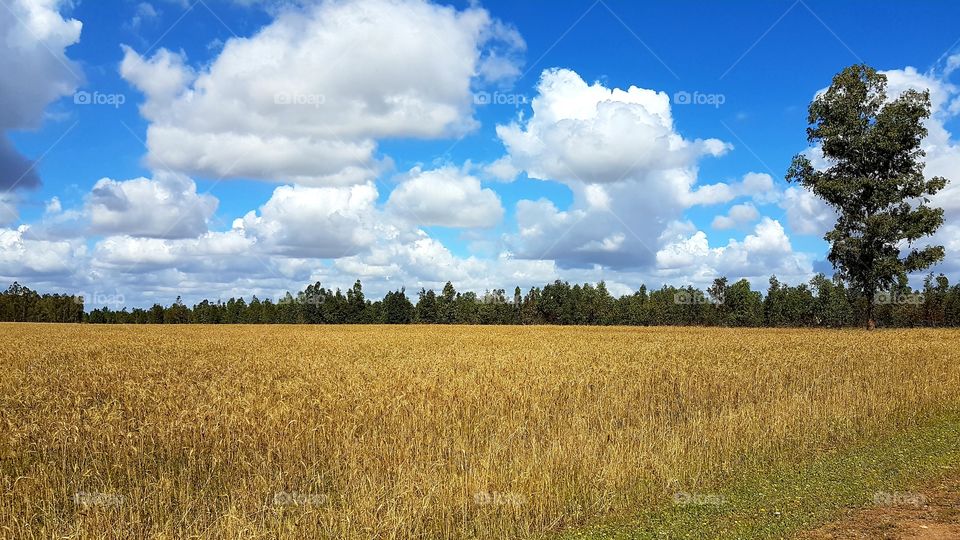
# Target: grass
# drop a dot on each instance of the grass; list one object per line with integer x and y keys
{"x": 779, "y": 504}
{"x": 431, "y": 432}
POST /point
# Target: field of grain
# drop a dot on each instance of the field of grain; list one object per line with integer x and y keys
{"x": 425, "y": 432}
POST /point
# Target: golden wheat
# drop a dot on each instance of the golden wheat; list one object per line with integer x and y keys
{"x": 425, "y": 432}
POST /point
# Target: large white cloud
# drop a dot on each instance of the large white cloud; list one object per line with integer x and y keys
{"x": 764, "y": 252}
{"x": 34, "y": 71}
{"x": 306, "y": 98}
{"x": 593, "y": 134}
{"x": 324, "y": 222}
{"x": 208, "y": 252}
{"x": 22, "y": 257}
{"x": 630, "y": 171}
{"x": 445, "y": 197}
{"x": 167, "y": 206}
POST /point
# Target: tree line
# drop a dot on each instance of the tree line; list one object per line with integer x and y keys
{"x": 823, "y": 302}
{"x": 20, "y": 304}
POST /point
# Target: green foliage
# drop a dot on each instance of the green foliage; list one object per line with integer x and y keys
{"x": 397, "y": 308}
{"x": 19, "y": 303}
{"x": 875, "y": 181}
{"x": 823, "y": 302}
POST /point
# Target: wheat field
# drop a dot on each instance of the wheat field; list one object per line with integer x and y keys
{"x": 425, "y": 431}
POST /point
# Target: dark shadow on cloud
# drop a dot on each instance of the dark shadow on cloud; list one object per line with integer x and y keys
{"x": 16, "y": 171}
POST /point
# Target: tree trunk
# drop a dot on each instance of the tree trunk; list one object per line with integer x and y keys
{"x": 871, "y": 298}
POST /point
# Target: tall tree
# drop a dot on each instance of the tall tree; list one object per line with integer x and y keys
{"x": 875, "y": 180}
{"x": 397, "y": 308}
{"x": 427, "y": 311}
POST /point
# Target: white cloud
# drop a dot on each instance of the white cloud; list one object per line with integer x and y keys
{"x": 764, "y": 252}
{"x": 738, "y": 216}
{"x": 34, "y": 71}
{"x": 21, "y": 257}
{"x": 445, "y": 197}
{"x": 807, "y": 213}
{"x": 306, "y": 98}
{"x": 162, "y": 78}
{"x": 208, "y": 252}
{"x": 757, "y": 186}
{"x": 684, "y": 252}
{"x": 167, "y": 206}
{"x": 324, "y": 222}
{"x": 630, "y": 171}
{"x": 53, "y": 206}
{"x": 502, "y": 169}
{"x": 592, "y": 134}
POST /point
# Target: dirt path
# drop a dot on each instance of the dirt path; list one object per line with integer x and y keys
{"x": 929, "y": 514}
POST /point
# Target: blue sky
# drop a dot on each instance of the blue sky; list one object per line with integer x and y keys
{"x": 219, "y": 147}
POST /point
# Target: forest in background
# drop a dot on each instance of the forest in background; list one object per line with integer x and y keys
{"x": 823, "y": 302}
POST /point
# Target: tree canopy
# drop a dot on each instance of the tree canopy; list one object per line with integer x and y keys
{"x": 874, "y": 180}
{"x": 823, "y": 302}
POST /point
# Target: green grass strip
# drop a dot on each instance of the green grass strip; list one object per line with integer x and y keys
{"x": 781, "y": 503}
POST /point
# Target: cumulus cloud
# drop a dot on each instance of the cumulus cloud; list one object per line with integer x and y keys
{"x": 168, "y": 206}
{"x": 757, "y": 186}
{"x": 766, "y": 251}
{"x": 502, "y": 169}
{"x": 306, "y": 98}
{"x": 211, "y": 251}
{"x": 306, "y": 101}
{"x": 34, "y": 71}
{"x": 737, "y": 216}
{"x": 21, "y": 256}
{"x": 630, "y": 171}
{"x": 445, "y": 197}
{"x": 593, "y": 134}
{"x": 807, "y": 213}
{"x": 324, "y": 222}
